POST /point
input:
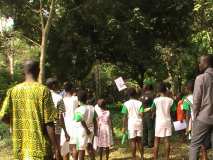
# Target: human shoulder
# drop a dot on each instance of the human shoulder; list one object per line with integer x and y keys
{"x": 200, "y": 78}
{"x": 157, "y": 99}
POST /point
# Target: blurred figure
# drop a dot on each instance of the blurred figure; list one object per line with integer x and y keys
{"x": 82, "y": 129}
{"x": 53, "y": 85}
{"x": 71, "y": 103}
{"x": 148, "y": 120}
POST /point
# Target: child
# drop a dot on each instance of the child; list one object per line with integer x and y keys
{"x": 82, "y": 130}
{"x": 53, "y": 85}
{"x": 163, "y": 125}
{"x": 148, "y": 120}
{"x": 180, "y": 113}
{"x": 71, "y": 103}
{"x": 92, "y": 126}
{"x": 133, "y": 112}
{"x": 187, "y": 103}
{"x": 104, "y": 129}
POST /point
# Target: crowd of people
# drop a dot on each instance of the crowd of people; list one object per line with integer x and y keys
{"x": 47, "y": 124}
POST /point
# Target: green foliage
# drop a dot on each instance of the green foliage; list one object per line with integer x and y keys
{"x": 163, "y": 36}
{"x": 4, "y": 131}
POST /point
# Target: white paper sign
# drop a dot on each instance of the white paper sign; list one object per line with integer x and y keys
{"x": 178, "y": 125}
{"x": 120, "y": 84}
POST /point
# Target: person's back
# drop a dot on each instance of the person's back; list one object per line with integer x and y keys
{"x": 29, "y": 112}
{"x": 163, "y": 108}
{"x": 56, "y": 98}
{"x": 205, "y": 112}
{"x": 133, "y": 106}
{"x": 180, "y": 113}
{"x": 71, "y": 103}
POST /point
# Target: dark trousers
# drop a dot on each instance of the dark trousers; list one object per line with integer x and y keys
{"x": 148, "y": 130}
{"x": 200, "y": 131}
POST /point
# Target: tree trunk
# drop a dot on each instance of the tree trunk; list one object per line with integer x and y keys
{"x": 43, "y": 49}
{"x": 45, "y": 31}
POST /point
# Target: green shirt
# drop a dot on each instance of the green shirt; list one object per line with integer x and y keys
{"x": 186, "y": 105}
{"x": 29, "y": 105}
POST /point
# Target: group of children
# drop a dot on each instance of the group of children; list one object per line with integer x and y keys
{"x": 85, "y": 125}
{"x": 82, "y": 124}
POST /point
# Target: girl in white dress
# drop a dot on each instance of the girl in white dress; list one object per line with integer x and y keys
{"x": 163, "y": 125}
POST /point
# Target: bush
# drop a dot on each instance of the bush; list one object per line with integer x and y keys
{"x": 4, "y": 131}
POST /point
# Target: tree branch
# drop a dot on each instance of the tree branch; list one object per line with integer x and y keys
{"x": 51, "y": 13}
{"x": 41, "y": 16}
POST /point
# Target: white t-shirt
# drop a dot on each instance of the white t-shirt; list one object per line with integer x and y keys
{"x": 134, "y": 119}
{"x": 56, "y": 97}
{"x": 71, "y": 103}
{"x": 163, "y": 107}
{"x": 190, "y": 99}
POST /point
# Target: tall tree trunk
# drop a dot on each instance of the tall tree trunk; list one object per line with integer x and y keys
{"x": 45, "y": 31}
{"x": 43, "y": 49}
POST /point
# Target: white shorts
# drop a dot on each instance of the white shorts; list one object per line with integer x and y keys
{"x": 81, "y": 139}
{"x": 163, "y": 132}
{"x": 72, "y": 138}
{"x": 134, "y": 133}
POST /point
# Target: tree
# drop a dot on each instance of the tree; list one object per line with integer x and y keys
{"x": 45, "y": 27}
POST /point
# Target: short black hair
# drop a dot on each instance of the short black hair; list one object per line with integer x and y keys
{"x": 31, "y": 67}
{"x": 190, "y": 85}
{"x": 68, "y": 87}
{"x": 51, "y": 82}
{"x": 131, "y": 92}
{"x": 162, "y": 88}
{"x": 82, "y": 96}
{"x": 209, "y": 59}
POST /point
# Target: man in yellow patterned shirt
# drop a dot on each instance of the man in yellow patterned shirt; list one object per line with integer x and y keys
{"x": 29, "y": 109}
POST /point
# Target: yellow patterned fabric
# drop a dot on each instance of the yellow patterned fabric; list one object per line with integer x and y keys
{"x": 29, "y": 106}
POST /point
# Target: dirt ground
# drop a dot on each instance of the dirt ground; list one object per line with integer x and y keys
{"x": 179, "y": 151}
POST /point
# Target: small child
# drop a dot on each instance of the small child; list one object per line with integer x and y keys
{"x": 163, "y": 125}
{"x": 105, "y": 129}
{"x": 92, "y": 126}
{"x": 133, "y": 113}
{"x": 82, "y": 130}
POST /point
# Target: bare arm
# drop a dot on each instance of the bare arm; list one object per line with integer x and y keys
{"x": 63, "y": 126}
{"x": 125, "y": 123}
{"x": 85, "y": 127}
